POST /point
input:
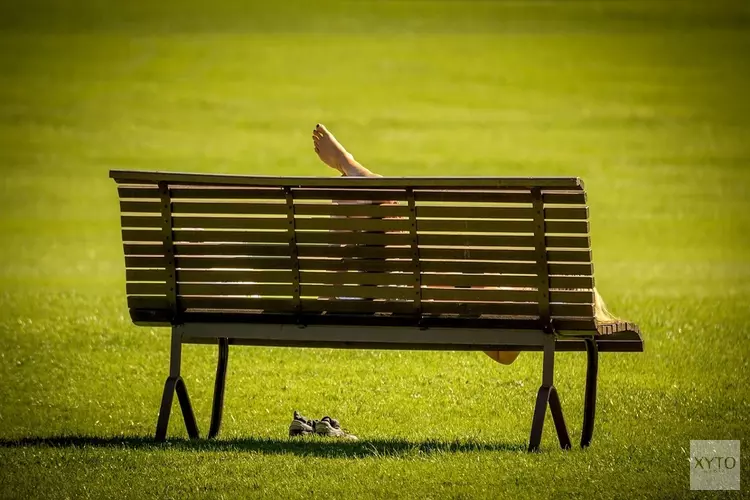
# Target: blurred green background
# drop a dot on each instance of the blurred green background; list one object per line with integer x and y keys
{"x": 646, "y": 101}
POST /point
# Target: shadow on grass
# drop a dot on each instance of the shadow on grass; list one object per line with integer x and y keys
{"x": 307, "y": 446}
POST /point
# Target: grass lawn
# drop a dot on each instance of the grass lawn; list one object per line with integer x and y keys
{"x": 646, "y": 101}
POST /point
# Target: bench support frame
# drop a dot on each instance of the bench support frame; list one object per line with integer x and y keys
{"x": 175, "y": 383}
{"x": 547, "y": 395}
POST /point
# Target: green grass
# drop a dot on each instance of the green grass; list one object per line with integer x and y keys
{"x": 646, "y": 101}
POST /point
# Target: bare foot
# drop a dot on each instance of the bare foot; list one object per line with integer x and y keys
{"x": 333, "y": 154}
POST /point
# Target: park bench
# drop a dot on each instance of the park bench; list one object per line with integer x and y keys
{"x": 466, "y": 263}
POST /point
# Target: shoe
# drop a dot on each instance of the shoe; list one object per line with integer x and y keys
{"x": 328, "y": 426}
{"x": 300, "y": 425}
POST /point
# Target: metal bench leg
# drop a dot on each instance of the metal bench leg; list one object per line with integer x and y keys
{"x": 589, "y": 408}
{"x": 548, "y": 395}
{"x": 221, "y": 378}
{"x": 174, "y": 384}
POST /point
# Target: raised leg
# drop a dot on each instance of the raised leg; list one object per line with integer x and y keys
{"x": 589, "y": 408}
{"x": 174, "y": 384}
{"x": 221, "y": 377}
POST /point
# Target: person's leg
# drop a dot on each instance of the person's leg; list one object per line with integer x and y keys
{"x": 333, "y": 154}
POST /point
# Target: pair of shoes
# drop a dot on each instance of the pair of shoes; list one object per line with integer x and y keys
{"x": 326, "y": 426}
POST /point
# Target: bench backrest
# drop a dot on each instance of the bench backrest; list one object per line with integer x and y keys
{"x": 515, "y": 250}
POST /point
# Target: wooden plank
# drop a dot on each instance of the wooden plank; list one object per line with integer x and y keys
{"x": 357, "y": 306}
{"x": 143, "y": 249}
{"x": 352, "y": 224}
{"x": 226, "y": 193}
{"x": 475, "y": 226}
{"x": 442, "y": 266}
{"x": 351, "y": 210}
{"x": 475, "y": 240}
{"x": 564, "y": 198}
{"x": 375, "y": 265}
{"x": 568, "y": 241}
{"x": 140, "y": 207}
{"x": 567, "y": 226}
{"x": 138, "y": 192}
{"x": 566, "y": 213}
{"x": 366, "y": 196}
{"x": 233, "y": 249}
{"x": 339, "y": 278}
{"x": 480, "y": 294}
{"x": 258, "y": 263}
{"x": 572, "y": 269}
{"x": 505, "y": 295}
{"x": 146, "y": 289}
{"x": 239, "y": 303}
{"x": 494, "y": 280}
{"x": 572, "y": 310}
{"x": 228, "y": 276}
{"x": 145, "y": 235}
{"x": 134, "y": 262}
{"x": 146, "y": 275}
{"x": 199, "y": 236}
{"x": 226, "y": 289}
{"x": 203, "y": 207}
{"x": 149, "y": 302}
{"x": 473, "y": 196}
{"x": 571, "y": 282}
{"x": 136, "y": 221}
{"x": 355, "y": 251}
{"x": 183, "y": 221}
{"x": 500, "y": 254}
{"x": 548, "y": 183}
{"x": 353, "y": 238}
{"x": 375, "y": 292}
{"x": 474, "y": 212}
{"x": 479, "y": 308}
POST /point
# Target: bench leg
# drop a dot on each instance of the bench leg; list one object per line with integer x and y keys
{"x": 175, "y": 383}
{"x": 548, "y": 395}
{"x": 589, "y": 408}
{"x": 221, "y": 378}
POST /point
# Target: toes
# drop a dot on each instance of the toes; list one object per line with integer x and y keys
{"x": 321, "y": 129}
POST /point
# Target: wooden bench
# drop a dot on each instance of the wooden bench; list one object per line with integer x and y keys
{"x": 492, "y": 264}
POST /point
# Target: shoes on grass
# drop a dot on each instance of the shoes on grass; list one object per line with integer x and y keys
{"x": 326, "y": 426}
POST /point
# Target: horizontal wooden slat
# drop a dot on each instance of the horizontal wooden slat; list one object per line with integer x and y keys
{"x": 548, "y": 183}
{"x": 353, "y": 238}
{"x": 197, "y": 207}
{"x": 225, "y": 193}
{"x": 352, "y": 224}
{"x": 279, "y": 223}
{"x": 142, "y": 235}
{"x": 138, "y": 191}
{"x": 476, "y": 240}
{"x": 134, "y": 262}
{"x": 140, "y": 206}
{"x": 382, "y": 292}
{"x": 197, "y": 236}
{"x": 356, "y": 278}
{"x": 475, "y": 226}
{"x": 364, "y": 195}
{"x": 472, "y": 196}
{"x": 568, "y": 241}
{"x": 233, "y": 249}
{"x": 228, "y": 276}
{"x": 566, "y": 213}
{"x": 224, "y": 289}
{"x": 568, "y": 226}
{"x": 445, "y": 266}
{"x": 504, "y": 295}
{"x": 502, "y": 254}
{"x": 143, "y": 249}
{"x": 475, "y": 212}
{"x": 146, "y": 289}
{"x": 351, "y": 210}
{"x": 556, "y": 282}
{"x": 478, "y": 308}
{"x": 233, "y": 303}
{"x": 128, "y": 221}
{"x": 146, "y": 275}
{"x": 355, "y": 265}
{"x": 563, "y": 198}
{"x": 354, "y": 251}
{"x": 357, "y": 306}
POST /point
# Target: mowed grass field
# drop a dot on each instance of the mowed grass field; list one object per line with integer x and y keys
{"x": 646, "y": 101}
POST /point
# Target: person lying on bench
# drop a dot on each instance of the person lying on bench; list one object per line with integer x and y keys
{"x": 332, "y": 153}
